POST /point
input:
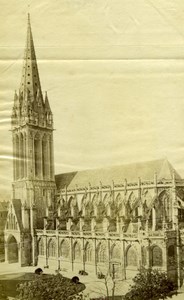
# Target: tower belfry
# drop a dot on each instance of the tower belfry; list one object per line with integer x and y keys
{"x": 32, "y": 131}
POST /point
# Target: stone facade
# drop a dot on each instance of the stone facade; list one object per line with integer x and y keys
{"x": 117, "y": 227}
{"x": 95, "y": 220}
{"x": 3, "y": 216}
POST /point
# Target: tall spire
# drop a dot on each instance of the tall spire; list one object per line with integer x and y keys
{"x": 30, "y": 77}
{"x": 29, "y": 106}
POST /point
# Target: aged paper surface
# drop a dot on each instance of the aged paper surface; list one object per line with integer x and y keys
{"x": 114, "y": 74}
{"x": 111, "y": 70}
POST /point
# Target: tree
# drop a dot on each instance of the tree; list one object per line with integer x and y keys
{"x": 151, "y": 284}
{"x": 109, "y": 282}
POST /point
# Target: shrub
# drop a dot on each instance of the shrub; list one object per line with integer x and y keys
{"x": 2, "y": 293}
{"x": 38, "y": 271}
{"x": 75, "y": 279}
{"x": 100, "y": 275}
{"x": 151, "y": 284}
{"x": 55, "y": 287}
{"x": 83, "y": 272}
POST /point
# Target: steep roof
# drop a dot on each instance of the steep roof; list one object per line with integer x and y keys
{"x": 130, "y": 172}
{"x": 17, "y": 208}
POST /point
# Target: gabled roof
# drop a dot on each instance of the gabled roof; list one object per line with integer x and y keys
{"x": 65, "y": 179}
{"x": 130, "y": 172}
{"x": 18, "y": 212}
{"x": 15, "y": 209}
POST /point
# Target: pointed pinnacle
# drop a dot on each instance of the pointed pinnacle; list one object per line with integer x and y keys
{"x": 47, "y": 106}
{"x": 15, "y": 96}
{"x": 28, "y": 19}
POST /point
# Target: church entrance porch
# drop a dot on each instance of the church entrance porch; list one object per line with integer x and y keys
{"x": 12, "y": 250}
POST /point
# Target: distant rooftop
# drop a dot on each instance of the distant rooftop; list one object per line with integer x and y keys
{"x": 130, "y": 172}
{"x": 4, "y": 206}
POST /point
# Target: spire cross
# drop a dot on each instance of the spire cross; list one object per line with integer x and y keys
{"x": 28, "y": 6}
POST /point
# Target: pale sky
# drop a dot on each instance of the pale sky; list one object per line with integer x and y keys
{"x": 114, "y": 72}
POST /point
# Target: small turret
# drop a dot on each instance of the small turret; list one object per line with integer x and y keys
{"x": 48, "y": 112}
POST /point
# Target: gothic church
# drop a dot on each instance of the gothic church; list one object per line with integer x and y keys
{"x": 114, "y": 219}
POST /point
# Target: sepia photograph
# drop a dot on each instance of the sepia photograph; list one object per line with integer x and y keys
{"x": 92, "y": 150}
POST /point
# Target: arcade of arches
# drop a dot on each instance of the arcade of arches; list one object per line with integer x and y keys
{"x": 101, "y": 255}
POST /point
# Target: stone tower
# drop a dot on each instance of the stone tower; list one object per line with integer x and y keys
{"x": 33, "y": 163}
{"x": 32, "y": 132}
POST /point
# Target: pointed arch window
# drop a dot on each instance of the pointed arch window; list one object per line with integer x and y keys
{"x": 52, "y": 248}
{"x": 88, "y": 253}
{"x": 64, "y": 250}
{"x": 77, "y": 252}
{"x": 11, "y": 222}
{"x": 44, "y": 158}
{"x": 101, "y": 254}
{"x": 131, "y": 257}
{"x": 41, "y": 247}
{"x": 21, "y": 156}
{"x": 156, "y": 256}
{"x": 37, "y": 150}
{"x": 116, "y": 253}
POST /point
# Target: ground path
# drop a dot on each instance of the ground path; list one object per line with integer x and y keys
{"x": 95, "y": 288}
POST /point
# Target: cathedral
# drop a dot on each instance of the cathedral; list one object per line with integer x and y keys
{"x": 112, "y": 220}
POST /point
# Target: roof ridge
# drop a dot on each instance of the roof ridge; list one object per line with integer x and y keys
{"x": 144, "y": 170}
{"x": 116, "y": 165}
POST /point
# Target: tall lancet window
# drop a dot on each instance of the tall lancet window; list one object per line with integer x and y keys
{"x": 37, "y": 155}
{"x": 44, "y": 158}
{"x": 17, "y": 157}
{"x": 51, "y": 154}
{"x": 21, "y": 151}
